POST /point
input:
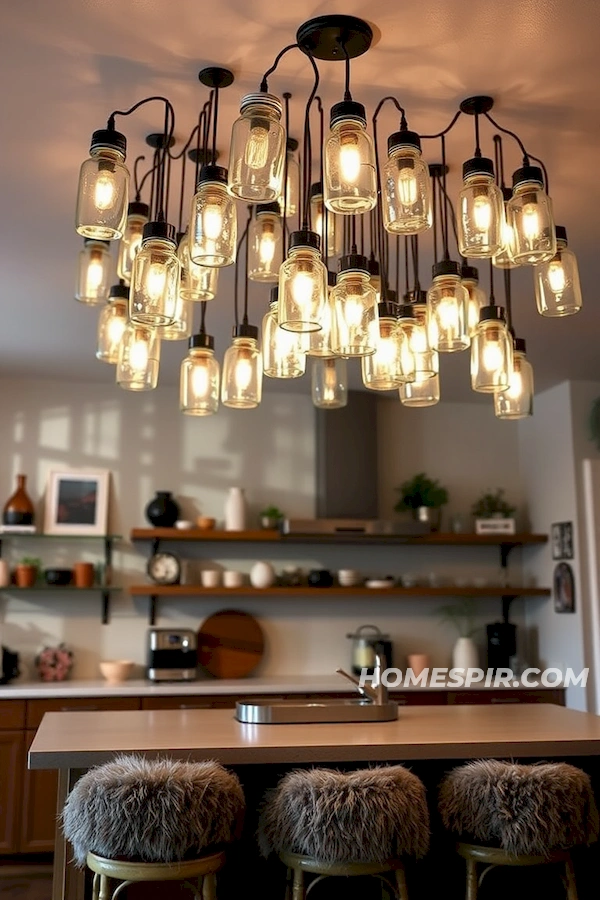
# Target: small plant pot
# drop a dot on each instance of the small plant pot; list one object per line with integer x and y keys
{"x": 83, "y": 575}
{"x": 269, "y": 522}
{"x": 429, "y": 515}
{"x": 25, "y": 576}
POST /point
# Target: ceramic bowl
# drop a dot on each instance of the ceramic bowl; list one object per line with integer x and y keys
{"x": 116, "y": 670}
{"x": 206, "y": 523}
{"x": 183, "y": 524}
{"x": 58, "y": 576}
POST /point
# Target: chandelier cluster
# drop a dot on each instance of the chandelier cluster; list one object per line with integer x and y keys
{"x": 359, "y": 208}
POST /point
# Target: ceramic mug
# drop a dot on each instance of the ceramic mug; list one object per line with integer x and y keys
{"x": 210, "y": 578}
{"x": 418, "y": 662}
{"x": 83, "y": 574}
{"x": 233, "y": 579}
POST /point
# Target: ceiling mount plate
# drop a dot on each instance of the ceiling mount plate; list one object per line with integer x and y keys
{"x": 158, "y": 140}
{"x": 326, "y": 36}
{"x": 477, "y": 106}
{"x": 199, "y": 157}
{"x": 215, "y": 77}
{"x": 438, "y": 170}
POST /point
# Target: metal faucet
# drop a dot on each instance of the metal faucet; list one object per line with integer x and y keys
{"x": 376, "y": 692}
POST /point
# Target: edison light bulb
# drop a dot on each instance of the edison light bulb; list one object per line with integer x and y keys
{"x": 266, "y": 248}
{"x": 329, "y": 382}
{"x": 516, "y": 402}
{"x": 355, "y": 329}
{"x": 405, "y": 186}
{"x": 105, "y": 190}
{"x": 556, "y": 277}
{"x": 491, "y": 352}
{"x": 283, "y": 352}
{"x": 241, "y": 386}
{"x": 93, "y": 275}
{"x": 212, "y": 220}
{"x": 349, "y": 157}
{"x": 111, "y": 324}
{"x": 447, "y": 309}
{"x": 156, "y": 280}
{"x": 116, "y": 327}
{"x": 482, "y": 213}
{"x": 470, "y": 281}
{"x": 302, "y": 284}
{"x": 257, "y": 145}
{"x": 302, "y": 289}
{"x": 103, "y": 187}
{"x": 350, "y": 184}
{"x": 199, "y": 378}
{"x": 382, "y": 370}
{"x": 138, "y": 358}
{"x": 492, "y": 356}
{"x": 529, "y": 213}
{"x": 408, "y": 188}
{"x": 504, "y": 259}
{"x": 257, "y": 150}
{"x": 557, "y": 285}
{"x": 481, "y": 208}
{"x": 155, "y": 277}
{"x": 138, "y": 355}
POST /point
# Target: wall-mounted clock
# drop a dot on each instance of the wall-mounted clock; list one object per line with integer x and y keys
{"x": 164, "y": 568}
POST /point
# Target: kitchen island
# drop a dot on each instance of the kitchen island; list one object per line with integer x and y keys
{"x": 74, "y": 741}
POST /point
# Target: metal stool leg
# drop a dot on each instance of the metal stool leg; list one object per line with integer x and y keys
{"x": 471, "y": 879}
{"x": 104, "y": 891}
{"x": 401, "y": 884}
{"x": 570, "y": 878}
{"x": 209, "y": 888}
{"x": 298, "y": 885}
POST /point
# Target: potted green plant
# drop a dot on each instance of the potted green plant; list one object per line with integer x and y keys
{"x": 26, "y": 571}
{"x": 424, "y": 497}
{"x": 461, "y": 616}
{"x": 493, "y": 514}
{"x": 271, "y": 516}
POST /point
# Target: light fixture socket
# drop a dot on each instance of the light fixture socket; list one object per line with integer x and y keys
{"x": 274, "y": 294}
{"x": 212, "y": 173}
{"x": 561, "y": 233}
{"x": 247, "y": 331}
{"x": 348, "y": 109}
{"x": 162, "y": 230}
{"x": 469, "y": 272}
{"x": 445, "y": 267}
{"x": 109, "y": 139}
{"x": 354, "y": 262}
{"x": 291, "y": 145}
{"x": 201, "y": 341}
{"x": 492, "y": 313}
{"x": 87, "y": 241}
{"x": 316, "y": 190}
{"x": 528, "y": 173}
{"x": 305, "y": 238}
{"x": 478, "y": 165}
{"x": 373, "y": 266}
{"x": 388, "y": 308}
{"x": 415, "y": 297}
{"x": 506, "y": 193}
{"x": 403, "y": 138}
{"x": 263, "y": 99}
{"x": 263, "y": 208}
{"x": 118, "y": 292}
{"x": 406, "y": 310}
{"x": 198, "y": 156}
{"x": 520, "y": 345}
{"x": 137, "y": 208}
{"x": 331, "y": 278}
{"x": 391, "y": 297}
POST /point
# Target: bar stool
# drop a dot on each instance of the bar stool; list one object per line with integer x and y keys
{"x": 328, "y": 823}
{"x": 518, "y": 815}
{"x": 139, "y": 820}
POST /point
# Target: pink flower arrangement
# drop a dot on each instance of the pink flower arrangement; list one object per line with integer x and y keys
{"x": 54, "y": 663}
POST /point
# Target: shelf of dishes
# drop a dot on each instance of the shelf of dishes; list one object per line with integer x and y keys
{"x": 182, "y": 590}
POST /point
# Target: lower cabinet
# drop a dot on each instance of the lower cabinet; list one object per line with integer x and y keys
{"x": 38, "y": 808}
{"x": 11, "y": 788}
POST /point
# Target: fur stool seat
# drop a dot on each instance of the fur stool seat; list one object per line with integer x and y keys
{"x": 152, "y": 811}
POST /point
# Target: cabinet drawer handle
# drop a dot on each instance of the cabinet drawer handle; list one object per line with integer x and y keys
{"x": 506, "y": 699}
{"x": 79, "y": 709}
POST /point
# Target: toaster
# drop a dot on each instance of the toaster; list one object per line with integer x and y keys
{"x": 172, "y": 654}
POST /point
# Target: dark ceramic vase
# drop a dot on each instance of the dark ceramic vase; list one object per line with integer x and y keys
{"x": 19, "y": 508}
{"x": 162, "y": 511}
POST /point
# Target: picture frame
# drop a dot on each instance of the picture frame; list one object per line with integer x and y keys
{"x": 77, "y": 502}
{"x": 561, "y": 534}
{"x": 564, "y": 588}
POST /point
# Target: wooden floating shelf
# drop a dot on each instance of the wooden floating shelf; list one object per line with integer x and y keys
{"x": 193, "y": 590}
{"x": 54, "y": 588}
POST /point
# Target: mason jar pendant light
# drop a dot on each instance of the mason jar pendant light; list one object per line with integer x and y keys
{"x": 265, "y": 243}
{"x": 329, "y": 382}
{"x": 447, "y": 309}
{"x": 112, "y": 322}
{"x": 425, "y": 360}
{"x": 103, "y": 187}
{"x": 284, "y": 352}
{"x": 331, "y": 240}
{"x": 155, "y": 277}
{"x": 406, "y": 326}
{"x": 213, "y": 220}
{"x": 93, "y": 272}
{"x": 180, "y": 328}
{"x": 197, "y": 283}
{"x": 241, "y": 386}
{"x": 138, "y": 360}
{"x": 420, "y": 392}
{"x": 257, "y": 150}
{"x": 469, "y": 277}
{"x": 491, "y": 352}
{"x": 137, "y": 216}
{"x": 302, "y": 284}
{"x": 355, "y": 329}
{"x": 479, "y": 216}
{"x": 319, "y": 342}
{"x": 199, "y": 377}
{"x": 557, "y": 286}
{"x": 531, "y": 218}
{"x": 381, "y": 370}
{"x": 406, "y": 185}
{"x": 292, "y": 191}
{"x": 505, "y": 257}
{"x": 516, "y": 402}
{"x": 349, "y": 161}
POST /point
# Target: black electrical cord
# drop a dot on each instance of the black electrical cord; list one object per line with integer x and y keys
{"x": 136, "y": 182}
{"x": 243, "y": 238}
{"x": 264, "y": 87}
{"x": 287, "y": 97}
{"x": 307, "y": 150}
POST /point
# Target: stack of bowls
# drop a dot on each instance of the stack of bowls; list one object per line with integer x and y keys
{"x": 349, "y": 578}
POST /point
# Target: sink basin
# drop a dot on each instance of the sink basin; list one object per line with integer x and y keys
{"x": 287, "y": 712}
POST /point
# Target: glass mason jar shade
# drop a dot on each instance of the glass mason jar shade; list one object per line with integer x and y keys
{"x": 241, "y": 384}
{"x": 155, "y": 277}
{"x": 265, "y": 245}
{"x": 426, "y": 360}
{"x": 319, "y": 214}
{"x": 557, "y": 287}
{"x": 447, "y": 309}
{"x": 302, "y": 284}
{"x": 93, "y": 277}
{"x": 257, "y": 152}
{"x": 329, "y": 382}
{"x": 284, "y": 352}
{"x": 381, "y": 370}
{"x": 406, "y": 186}
{"x": 180, "y": 328}
{"x": 138, "y": 361}
{"x": 213, "y": 220}
{"x": 112, "y": 322}
{"x": 504, "y": 258}
{"x": 199, "y": 378}
{"x": 103, "y": 188}
{"x": 350, "y": 184}
{"x": 292, "y": 197}
{"x": 516, "y": 402}
{"x": 137, "y": 216}
{"x": 319, "y": 342}
{"x": 196, "y": 282}
{"x": 421, "y": 392}
{"x": 469, "y": 277}
{"x": 531, "y": 218}
{"x": 355, "y": 329}
{"x": 491, "y": 352}
{"x": 480, "y": 211}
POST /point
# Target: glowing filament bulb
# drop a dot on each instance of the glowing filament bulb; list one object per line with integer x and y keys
{"x": 531, "y": 222}
{"x": 104, "y": 191}
{"x": 482, "y": 213}
{"x": 156, "y": 281}
{"x": 492, "y": 357}
{"x": 212, "y": 221}
{"x": 353, "y": 311}
{"x": 349, "y": 158}
{"x": 302, "y": 289}
{"x": 243, "y": 373}
{"x": 266, "y": 247}
{"x": 116, "y": 327}
{"x": 256, "y": 154}
{"x": 515, "y": 386}
{"x": 94, "y": 276}
{"x": 447, "y": 313}
{"x": 556, "y": 277}
{"x": 418, "y": 340}
{"x": 200, "y": 381}
{"x": 408, "y": 190}
{"x": 138, "y": 356}
{"x": 329, "y": 381}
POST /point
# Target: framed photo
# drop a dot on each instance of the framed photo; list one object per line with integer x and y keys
{"x": 77, "y": 503}
{"x": 564, "y": 588}
{"x": 562, "y": 540}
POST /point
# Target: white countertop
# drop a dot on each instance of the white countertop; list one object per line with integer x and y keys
{"x": 274, "y": 684}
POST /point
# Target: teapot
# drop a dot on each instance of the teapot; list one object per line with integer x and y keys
{"x": 368, "y": 641}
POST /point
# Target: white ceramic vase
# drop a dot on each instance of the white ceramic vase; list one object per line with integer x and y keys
{"x": 4, "y": 573}
{"x": 235, "y": 510}
{"x": 262, "y": 575}
{"x": 465, "y": 654}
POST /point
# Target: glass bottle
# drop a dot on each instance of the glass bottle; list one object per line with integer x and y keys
{"x": 241, "y": 384}
{"x": 284, "y": 352}
{"x": 213, "y": 220}
{"x": 112, "y": 322}
{"x": 329, "y": 382}
{"x": 469, "y": 277}
{"x": 491, "y": 352}
{"x": 421, "y": 392}
{"x": 155, "y": 277}
{"x": 557, "y": 286}
{"x": 137, "y": 216}
{"x": 381, "y": 370}
{"x": 355, "y": 330}
{"x": 199, "y": 378}
{"x": 531, "y": 218}
{"x": 94, "y": 272}
{"x": 406, "y": 186}
{"x": 197, "y": 282}
{"x": 319, "y": 214}
{"x": 350, "y": 184}
{"x": 257, "y": 150}
{"x": 516, "y": 402}
{"x": 265, "y": 244}
{"x": 447, "y": 309}
{"x": 101, "y": 211}
{"x": 139, "y": 356}
{"x": 18, "y": 509}
{"x": 302, "y": 284}
{"x": 480, "y": 210}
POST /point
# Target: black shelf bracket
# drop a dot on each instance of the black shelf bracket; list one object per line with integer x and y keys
{"x": 105, "y": 607}
{"x": 152, "y": 609}
{"x": 505, "y": 548}
{"x": 507, "y": 599}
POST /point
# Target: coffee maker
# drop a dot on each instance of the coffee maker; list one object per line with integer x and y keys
{"x": 10, "y": 665}
{"x": 367, "y": 642}
{"x": 502, "y": 644}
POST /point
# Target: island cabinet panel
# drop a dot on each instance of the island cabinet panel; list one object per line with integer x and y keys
{"x": 36, "y": 709}
{"x": 188, "y": 702}
{"x": 38, "y": 807}
{"x": 12, "y": 745}
{"x": 461, "y": 698}
{"x": 12, "y": 714}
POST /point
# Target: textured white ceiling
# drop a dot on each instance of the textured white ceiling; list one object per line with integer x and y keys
{"x": 65, "y": 64}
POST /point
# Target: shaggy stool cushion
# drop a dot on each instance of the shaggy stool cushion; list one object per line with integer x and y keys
{"x": 369, "y": 815}
{"x": 525, "y": 809}
{"x": 152, "y": 810}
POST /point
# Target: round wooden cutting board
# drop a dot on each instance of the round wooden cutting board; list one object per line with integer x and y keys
{"x": 230, "y": 644}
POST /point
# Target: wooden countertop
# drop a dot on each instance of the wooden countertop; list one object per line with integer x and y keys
{"x": 81, "y": 739}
